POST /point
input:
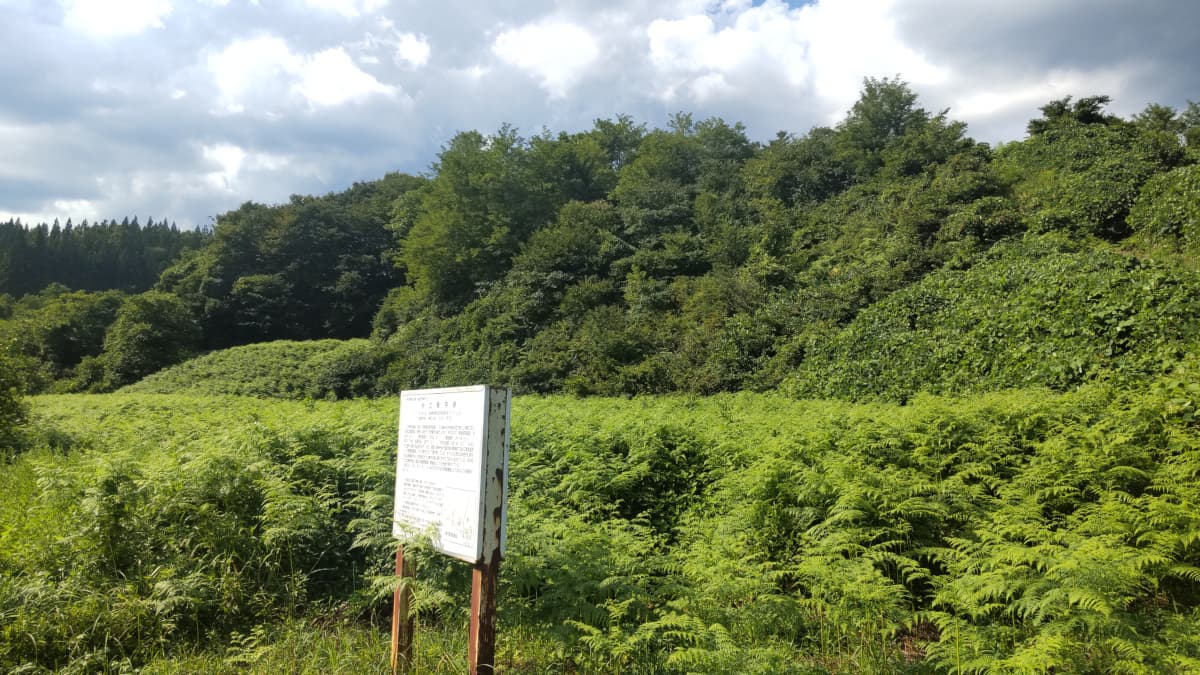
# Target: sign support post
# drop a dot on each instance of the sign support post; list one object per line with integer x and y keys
{"x": 481, "y": 646}
{"x": 452, "y": 481}
{"x": 481, "y": 649}
{"x": 402, "y": 619}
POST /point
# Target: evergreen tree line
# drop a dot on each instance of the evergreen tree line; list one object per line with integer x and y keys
{"x": 625, "y": 260}
{"x": 106, "y": 255}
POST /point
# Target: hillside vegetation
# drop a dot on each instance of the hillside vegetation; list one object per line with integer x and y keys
{"x": 624, "y": 260}
{"x": 1040, "y": 311}
{"x": 1021, "y": 531}
{"x": 280, "y": 369}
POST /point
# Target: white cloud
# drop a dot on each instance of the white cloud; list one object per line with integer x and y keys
{"x": 331, "y": 78}
{"x": 828, "y": 46}
{"x": 107, "y": 19}
{"x": 244, "y": 65}
{"x": 557, "y": 52}
{"x": 359, "y": 87}
{"x": 229, "y": 159}
{"x": 233, "y": 162}
{"x": 851, "y": 40}
{"x": 1005, "y": 105}
{"x": 710, "y": 86}
{"x": 57, "y": 209}
{"x": 412, "y": 49}
{"x": 260, "y": 67}
{"x": 348, "y": 8}
{"x": 78, "y": 208}
{"x": 405, "y": 49}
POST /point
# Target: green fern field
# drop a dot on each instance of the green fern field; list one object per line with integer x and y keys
{"x": 1021, "y": 531}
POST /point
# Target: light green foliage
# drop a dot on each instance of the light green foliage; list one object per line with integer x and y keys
{"x": 1041, "y": 311}
{"x": 1082, "y": 170}
{"x": 1167, "y": 212}
{"x": 169, "y": 526}
{"x": 1013, "y": 532}
{"x": 281, "y": 369}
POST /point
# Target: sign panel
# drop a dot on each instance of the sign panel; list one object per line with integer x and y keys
{"x": 452, "y": 468}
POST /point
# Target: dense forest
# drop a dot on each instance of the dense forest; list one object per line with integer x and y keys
{"x": 874, "y": 397}
{"x": 624, "y": 260}
{"x": 101, "y": 256}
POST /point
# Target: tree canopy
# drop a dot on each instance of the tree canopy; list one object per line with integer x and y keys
{"x": 622, "y": 259}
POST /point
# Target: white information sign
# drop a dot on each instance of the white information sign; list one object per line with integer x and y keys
{"x": 452, "y": 468}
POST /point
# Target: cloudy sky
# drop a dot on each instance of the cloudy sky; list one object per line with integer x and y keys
{"x": 185, "y": 109}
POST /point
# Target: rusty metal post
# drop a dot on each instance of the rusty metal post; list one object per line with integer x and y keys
{"x": 402, "y": 619}
{"x": 481, "y": 645}
{"x": 481, "y": 650}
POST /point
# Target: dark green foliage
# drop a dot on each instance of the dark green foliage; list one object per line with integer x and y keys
{"x": 281, "y": 369}
{"x": 622, "y": 260}
{"x": 56, "y": 330}
{"x": 797, "y": 170}
{"x": 489, "y": 194}
{"x": 76, "y": 341}
{"x": 1082, "y": 175}
{"x": 151, "y": 331}
{"x": 314, "y": 267}
{"x": 12, "y": 407}
{"x": 885, "y": 113}
{"x": 105, "y": 255}
{"x": 723, "y": 267}
{"x": 1061, "y": 112}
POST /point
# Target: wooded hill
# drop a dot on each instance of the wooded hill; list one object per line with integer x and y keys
{"x": 858, "y": 261}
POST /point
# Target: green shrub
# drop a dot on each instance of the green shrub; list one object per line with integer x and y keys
{"x": 151, "y": 331}
{"x": 1083, "y": 178}
{"x": 1167, "y": 212}
{"x": 12, "y": 408}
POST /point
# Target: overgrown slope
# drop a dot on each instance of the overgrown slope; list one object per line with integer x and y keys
{"x": 1044, "y": 311}
{"x": 280, "y": 369}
